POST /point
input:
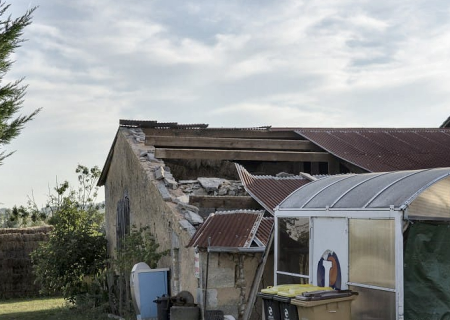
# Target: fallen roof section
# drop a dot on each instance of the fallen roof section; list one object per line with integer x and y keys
{"x": 231, "y": 229}
{"x": 269, "y": 191}
{"x": 379, "y": 150}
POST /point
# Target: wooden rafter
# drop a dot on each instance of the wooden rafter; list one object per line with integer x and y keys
{"x": 223, "y": 133}
{"x": 229, "y": 202}
{"x": 230, "y": 143}
{"x": 251, "y": 155}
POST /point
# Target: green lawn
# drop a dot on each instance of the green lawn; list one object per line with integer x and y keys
{"x": 43, "y": 309}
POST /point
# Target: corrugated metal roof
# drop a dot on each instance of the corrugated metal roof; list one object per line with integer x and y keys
{"x": 264, "y": 230}
{"x": 269, "y": 191}
{"x": 235, "y": 229}
{"x": 370, "y": 190}
{"x": 379, "y": 150}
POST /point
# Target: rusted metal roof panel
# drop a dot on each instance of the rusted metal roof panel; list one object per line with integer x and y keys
{"x": 379, "y": 149}
{"x": 234, "y": 229}
{"x": 269, "y": 191}
{"x": 265, "y": 229}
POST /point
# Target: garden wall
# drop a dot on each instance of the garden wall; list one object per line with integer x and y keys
{"x": 16, "y": 277}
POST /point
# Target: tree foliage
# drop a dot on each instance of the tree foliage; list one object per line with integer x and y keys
{"x": 76, "y": 251}
{"x": 137, "y": 246}
{"x": 12, "y": 93}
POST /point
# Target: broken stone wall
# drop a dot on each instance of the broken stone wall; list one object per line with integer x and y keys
{"x": 230, "y": 276}
{"x": 131, "y": 175}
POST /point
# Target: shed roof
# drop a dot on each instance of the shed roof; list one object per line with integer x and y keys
{"x": 232, "y": 229}
{"x": 370, "y": 190}
{"x": 380, "y": 149}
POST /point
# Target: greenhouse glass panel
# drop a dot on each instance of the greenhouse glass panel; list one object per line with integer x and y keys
{"x": 293, "y": 245}
{"x": 373, "y": 304}
{"x": 434, "y": 202}
{"x": 372, "y": 252}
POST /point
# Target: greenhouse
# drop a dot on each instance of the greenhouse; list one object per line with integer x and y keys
{"x": 384, "y": 235}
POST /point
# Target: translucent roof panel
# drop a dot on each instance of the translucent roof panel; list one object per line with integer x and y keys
{"x": 310, "y": 189}
{"x": 371, "y": 190}
{"x": 434, "y": 202}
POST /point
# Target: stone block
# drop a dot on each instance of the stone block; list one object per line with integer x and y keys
{"x": 159, "y": 173}
{"x": 211, "y": 184}
{"x": 163, "y": 190}
{"x": 187, "y": 226}
{"x": 171, "y": 183}
{"x": 184, "y": 198}
{"x": 193, "y": 218}
{"x": 151, "y": 158}
{"x": 185, "y": 206}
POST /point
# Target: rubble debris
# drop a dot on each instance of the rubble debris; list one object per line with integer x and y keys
{"x": 185, "y": 206}
{"x": 163, "y": 190}
{"x": 211, "y": 184}
{"x": 193, "y": 218}
{"x": 183, "y": 198}
{"x": 159, "y": 173}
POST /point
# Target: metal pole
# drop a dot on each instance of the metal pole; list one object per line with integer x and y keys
{"x": 206, "y": 280}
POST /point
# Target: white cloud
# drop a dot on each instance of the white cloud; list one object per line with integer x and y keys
{"x": 229, "y": 63}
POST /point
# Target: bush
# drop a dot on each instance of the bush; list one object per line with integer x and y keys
{"x": 75, "y": 255}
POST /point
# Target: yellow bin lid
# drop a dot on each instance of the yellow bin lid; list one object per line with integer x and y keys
{"x": 284, "y": 287}
{"x": 292, "y": 292}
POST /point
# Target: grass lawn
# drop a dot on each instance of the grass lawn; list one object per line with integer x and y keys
{"x": 43, "y": 309}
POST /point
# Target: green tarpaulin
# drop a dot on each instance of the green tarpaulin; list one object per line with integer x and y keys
{"x": 427, "y": 272}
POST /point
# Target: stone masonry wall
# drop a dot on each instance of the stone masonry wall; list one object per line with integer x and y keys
{"x": 131, "y": 175}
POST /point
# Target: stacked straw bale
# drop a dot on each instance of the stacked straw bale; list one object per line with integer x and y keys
{"x": 16, "y": 244}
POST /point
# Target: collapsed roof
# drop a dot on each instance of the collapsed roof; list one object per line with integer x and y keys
{"x": 199, "y": 168}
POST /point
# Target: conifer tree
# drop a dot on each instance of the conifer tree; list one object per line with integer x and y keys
{"x": 11, "y": 93}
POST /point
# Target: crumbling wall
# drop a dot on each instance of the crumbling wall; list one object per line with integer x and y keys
{"x": 16, "y": 276}
{"x": 132, "y": 175}
{"x": 230, "y": 276}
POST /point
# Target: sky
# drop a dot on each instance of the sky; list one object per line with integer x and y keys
{"x": 234, "y": 63}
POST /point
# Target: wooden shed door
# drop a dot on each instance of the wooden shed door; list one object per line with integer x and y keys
{"x": 329, "y": 247}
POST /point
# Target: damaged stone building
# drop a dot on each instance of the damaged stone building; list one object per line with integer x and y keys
{"x": 198, "y": 187}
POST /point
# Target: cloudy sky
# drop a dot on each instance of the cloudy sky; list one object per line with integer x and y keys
{"x": 340, "y": 63}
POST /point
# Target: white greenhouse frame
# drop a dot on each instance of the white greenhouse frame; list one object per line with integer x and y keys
{"x": 297, "y": 206}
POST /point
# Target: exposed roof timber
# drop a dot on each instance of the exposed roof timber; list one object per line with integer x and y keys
{"x": 156, "y": 124}
{"x": 211, "y": 154}
{"x": 231, "y": 202}
{"x": 230, "y": 143}
{"x": 256, "y": 133}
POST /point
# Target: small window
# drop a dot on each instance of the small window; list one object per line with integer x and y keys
{"x": 123, "y": 220}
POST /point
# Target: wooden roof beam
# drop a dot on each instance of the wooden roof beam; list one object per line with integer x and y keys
{"x": 230, "y": 143}
{"x": 224, "y": 133}
{"x": 250, "y": 155}
{"x": 228, "y": 202}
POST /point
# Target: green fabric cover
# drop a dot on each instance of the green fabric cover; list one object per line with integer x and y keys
{"x": 427, "y": 272}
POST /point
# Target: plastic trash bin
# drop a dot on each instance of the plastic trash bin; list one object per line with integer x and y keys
{"x": 329, "y": 309}
{"x": 271, "y": 307}
{"x": 287, "y": 310}
{"x": 163, "y": 305}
